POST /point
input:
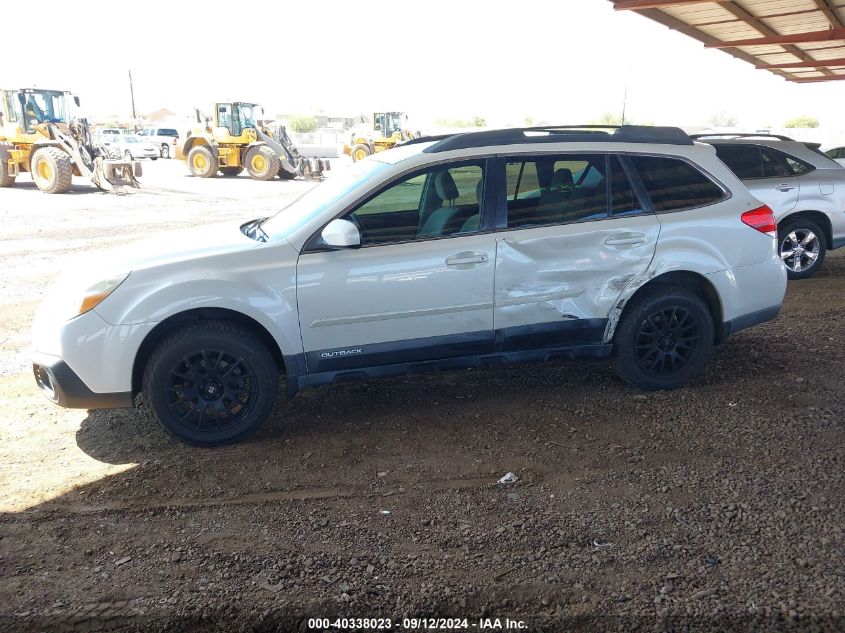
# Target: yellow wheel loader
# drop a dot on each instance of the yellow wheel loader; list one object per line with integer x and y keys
{"x": 39, "y": 135}
{"x": 232, "y": 140}
{"x": 389, "y": 128}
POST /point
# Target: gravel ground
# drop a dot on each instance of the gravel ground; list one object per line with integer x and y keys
{"x": 716, "y": 507}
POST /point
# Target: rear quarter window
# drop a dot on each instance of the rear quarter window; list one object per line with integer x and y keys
{"x": 673, "y": 184}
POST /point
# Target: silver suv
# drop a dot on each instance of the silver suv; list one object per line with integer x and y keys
{"x": 804, "y": 187}
{"x": 476, "y": 249}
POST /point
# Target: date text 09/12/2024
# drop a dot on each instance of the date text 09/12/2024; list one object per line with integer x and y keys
{"x": 426, "y": 624}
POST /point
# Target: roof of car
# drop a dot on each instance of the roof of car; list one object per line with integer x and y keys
{"x": 808, "y": 152}
{"x": 558, "y": 134}
{"x": 737, "y": 136}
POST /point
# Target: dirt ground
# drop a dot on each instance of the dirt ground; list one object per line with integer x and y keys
{"x": 716, "y": 507}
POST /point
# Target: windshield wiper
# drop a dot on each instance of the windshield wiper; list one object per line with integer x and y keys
{"x": 253, "y": 230}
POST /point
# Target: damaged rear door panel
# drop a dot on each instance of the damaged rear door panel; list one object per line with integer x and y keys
{"x": 576, "y": 235}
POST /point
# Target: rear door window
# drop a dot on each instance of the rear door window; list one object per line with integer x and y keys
{"x": 774, "y": 164}
{"x": 794, "y": 166}
{"x": 548, "y": 190}
{"x": 673, "y": 184}
{"x": 623, "y": 199}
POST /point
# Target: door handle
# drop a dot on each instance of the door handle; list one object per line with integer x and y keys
{"x": 625, "y": 239}
{"x": 785, "y": 187}
{"x": 469, "y": 257}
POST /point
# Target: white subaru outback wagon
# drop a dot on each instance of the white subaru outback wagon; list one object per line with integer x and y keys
{"x": 480, "y": 248}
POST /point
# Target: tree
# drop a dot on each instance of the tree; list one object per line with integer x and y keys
{"x": 802, "y": 121}
{"x": 302, "y": 123}
{"x": 722, "y": 119}
{"x": 476, "y": 121}
{"x": 608, "y": 118}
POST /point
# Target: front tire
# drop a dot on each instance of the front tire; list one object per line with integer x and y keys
{"x": 211, "y": 383}
{"x": 201, "y": 162}
{"x": 360, "y": 152}
{"x": 801, "y": 245}
{"x": 6, "y": 178}
{"x": 664, "y": 339}
{"x": 262, "y": 163}
{"x": 52, "y": 170}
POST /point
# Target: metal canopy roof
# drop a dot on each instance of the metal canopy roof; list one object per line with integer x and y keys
{"x": 799, "y": 40}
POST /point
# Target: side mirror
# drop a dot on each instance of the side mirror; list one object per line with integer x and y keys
{"x": 76, "y": 101}
{"x": 341, "y": 234}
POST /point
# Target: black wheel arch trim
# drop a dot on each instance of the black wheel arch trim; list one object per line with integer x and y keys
{"x": 168, "y": 325}
{"x": 749, "y": 320}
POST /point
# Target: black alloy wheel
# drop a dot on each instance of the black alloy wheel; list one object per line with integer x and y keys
{"x": 211, "y": 389}
{"x": 211, "y": 383}
{"x": 667, "y": 341}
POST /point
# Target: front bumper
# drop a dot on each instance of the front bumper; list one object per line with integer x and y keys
{"x": 60, "y": 384}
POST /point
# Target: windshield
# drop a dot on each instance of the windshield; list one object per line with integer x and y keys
{"x": 246, "y": 115}
{"x": 310, "y": 205}
{"x": 44, "y": 106}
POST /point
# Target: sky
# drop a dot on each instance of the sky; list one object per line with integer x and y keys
{"x": 557, "y": 61}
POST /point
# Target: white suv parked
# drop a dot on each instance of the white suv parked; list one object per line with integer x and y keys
{"x": 804, "y": 187}
{"x": 165, "y": 139}
{"x": 475, "y": 249}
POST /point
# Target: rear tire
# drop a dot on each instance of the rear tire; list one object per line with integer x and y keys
{"x": 803, "y": 242}
{"x": 52, "y": 170}
{"x": 664, "y": 339}
{"x": 360, "y": 152}
{"x": 165, "y": 151}
{"x": 211, "y": 383}
{"x": 6, "y": 179}
{"x": 231, "y": 171}
{"x": 201, "y": 162}
{"x": 262, "y": 163}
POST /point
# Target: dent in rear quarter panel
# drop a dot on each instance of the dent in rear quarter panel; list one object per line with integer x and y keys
{"x": 708, "y": 240}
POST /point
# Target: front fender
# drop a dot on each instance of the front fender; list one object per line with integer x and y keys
{"x": 193, "y": 141}
{"x": 258, "y": 282}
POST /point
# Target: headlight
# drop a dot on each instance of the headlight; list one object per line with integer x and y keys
{"x": 96, "y": 293}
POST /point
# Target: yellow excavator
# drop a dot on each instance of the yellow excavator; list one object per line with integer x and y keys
{"x": 389, "y": 128}
{"x": 231, "y": 140}
{"x": 39, "y": 135}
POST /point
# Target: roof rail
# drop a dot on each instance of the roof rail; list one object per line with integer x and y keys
{"x": 424, "y": 139}
{"x": 740, "y": 135}
{"x": 563, "y": 133}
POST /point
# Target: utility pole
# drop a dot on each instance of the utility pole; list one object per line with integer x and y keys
{"x": 624, "y": 102}
{"x": 132, "y": 94}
